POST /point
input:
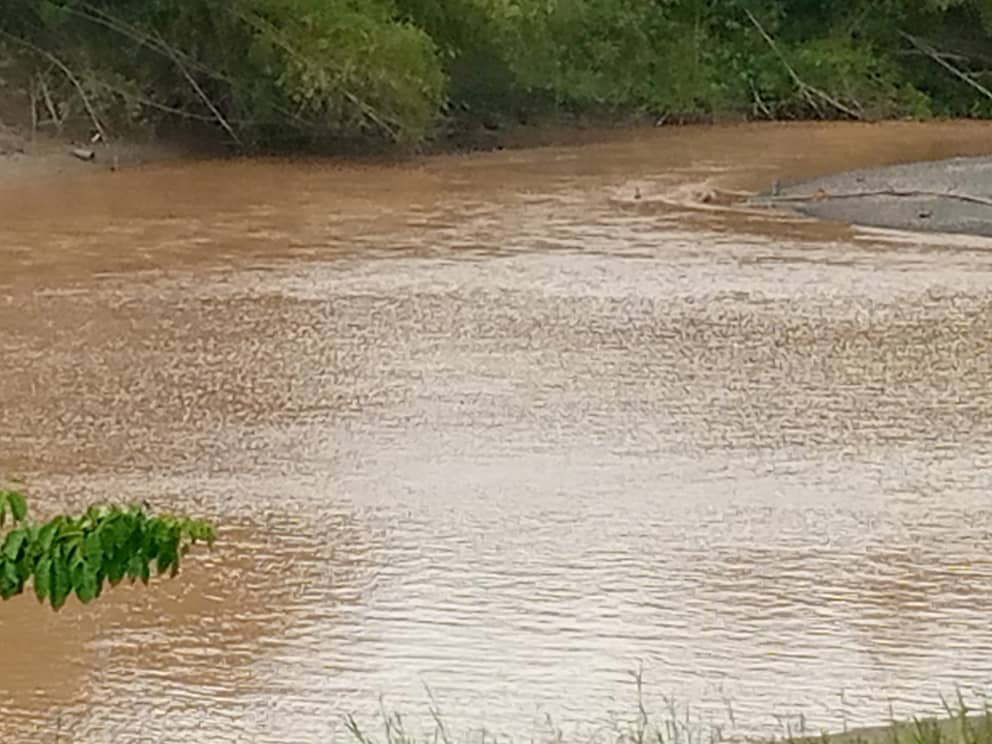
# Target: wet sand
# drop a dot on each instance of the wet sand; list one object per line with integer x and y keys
{"x": 32, "y": 157}
{"x": 944, "y": 196}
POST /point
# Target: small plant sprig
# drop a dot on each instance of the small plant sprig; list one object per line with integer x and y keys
{"x": 80, "y": 554}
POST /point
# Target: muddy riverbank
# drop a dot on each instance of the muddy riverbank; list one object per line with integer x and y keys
{"x": 25, "y": 156}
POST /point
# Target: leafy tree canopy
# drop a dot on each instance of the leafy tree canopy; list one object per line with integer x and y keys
{"x": 292, "y": 72}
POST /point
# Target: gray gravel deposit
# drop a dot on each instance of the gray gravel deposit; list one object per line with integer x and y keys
{"x": 952, "y": 196}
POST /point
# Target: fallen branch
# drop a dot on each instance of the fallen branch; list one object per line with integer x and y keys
{"x": 904, "y": 193}
{"x": 941, "y": 60}
{"x": 46, "y": 96}
{"x": 33, "y": 95}
{"x": 70, "y": 76}
{"x": 184, "y": 61}
{"x": 144, "y": 101}
{"x": 809, "y": 92}
{"x": 951, "y": 56}
{"x": 759, "y": 103}
{"x": 90, "y": 12}
{"x": 201, "y": 93}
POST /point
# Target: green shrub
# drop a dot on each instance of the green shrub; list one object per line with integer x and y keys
{"x": 388, "y": 71}
{"x": 263, "y": 70}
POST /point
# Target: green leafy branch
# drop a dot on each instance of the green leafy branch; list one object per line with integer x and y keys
{"x": 80, "y": 554}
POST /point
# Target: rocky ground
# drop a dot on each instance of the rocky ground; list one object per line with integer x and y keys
{"x": 950, "y": 196}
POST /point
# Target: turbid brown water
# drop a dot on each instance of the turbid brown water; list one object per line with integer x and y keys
{"x": 492, "y": 425}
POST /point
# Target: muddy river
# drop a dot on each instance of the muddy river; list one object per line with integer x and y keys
{"x": 493, "y": 427}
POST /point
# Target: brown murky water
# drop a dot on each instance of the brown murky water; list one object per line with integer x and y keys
{"x": 490, "y": 425}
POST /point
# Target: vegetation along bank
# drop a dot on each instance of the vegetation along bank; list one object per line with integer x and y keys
{"x": 409, "y": 73}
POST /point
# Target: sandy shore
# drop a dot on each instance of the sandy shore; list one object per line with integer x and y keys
{"x": 950, "y": 196}
{"x": 25, "y": 156}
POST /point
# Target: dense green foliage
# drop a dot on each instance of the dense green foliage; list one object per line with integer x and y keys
{"x": 271, "y": 71}
{"x": 79, "y": 554}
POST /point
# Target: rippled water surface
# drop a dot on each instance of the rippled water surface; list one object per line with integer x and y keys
{"x": 493, "y": 426}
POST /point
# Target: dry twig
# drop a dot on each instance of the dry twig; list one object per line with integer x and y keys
{"x": 201, "y": 93}
{"x": 69, "y": 74}
{"x": 941, "y": 59}
{"x": 46, "y": 96}
{"x": 905, "y": 193}
{"x": 809, "y": 92}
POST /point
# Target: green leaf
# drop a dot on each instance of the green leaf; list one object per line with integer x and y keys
{"x": 18, "y": 506}
{"x": 135, "y": 566}
{"x": 111, "y": 530}
{"x": 9, "y": 584}
{"x": 46, "y": 535}
{"x": 93, "y": 548}
{"x": 115, "y": 569}
{"x": 61, "y": 581}
{"x": 87, "y": 584}
{"x": 13, "y": 543}
{"x": 167, "y": 557}
{"x": 43, "y": 578}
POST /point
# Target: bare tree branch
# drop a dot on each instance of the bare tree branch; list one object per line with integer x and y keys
{"x": 809, "y": 92}
{"x": 69, "y": 74}
{"x": 941, "y": 59}
{"x": 906, "y": 193}
{"x": 202, "y": 94}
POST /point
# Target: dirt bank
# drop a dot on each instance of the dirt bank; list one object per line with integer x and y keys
{"x": 32, "y": 146}
{"x": 24, "y": 155}
{"x": 950, "y": 196}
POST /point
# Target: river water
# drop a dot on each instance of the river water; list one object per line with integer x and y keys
{"x": 492, "y": 427}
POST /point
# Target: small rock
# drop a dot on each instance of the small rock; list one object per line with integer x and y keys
{"x": 83, "y": 153}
